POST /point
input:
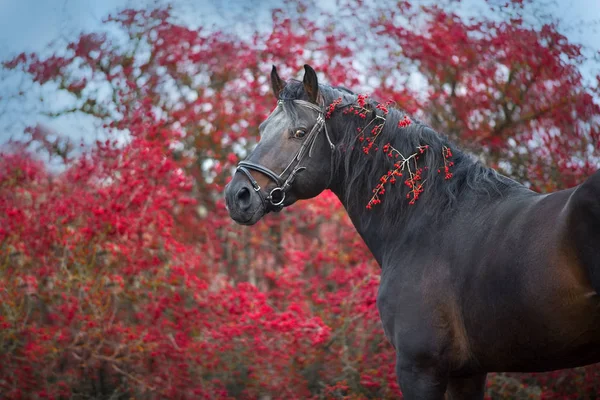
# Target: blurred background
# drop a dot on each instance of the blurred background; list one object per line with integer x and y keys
{"x": 121, "y": 274}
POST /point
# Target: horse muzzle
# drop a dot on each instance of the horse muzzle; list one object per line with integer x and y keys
{"x": 245, "y": 205}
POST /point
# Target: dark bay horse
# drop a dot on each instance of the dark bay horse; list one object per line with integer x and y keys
{"x": 478, "y": 273}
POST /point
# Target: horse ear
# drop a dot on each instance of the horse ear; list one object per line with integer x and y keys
{"x": 311, "y": 84}
{"x": 277, "y": 84}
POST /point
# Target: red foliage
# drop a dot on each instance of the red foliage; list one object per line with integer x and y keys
{"x": 490, "y": 80}
{"x": 123, "y": 275}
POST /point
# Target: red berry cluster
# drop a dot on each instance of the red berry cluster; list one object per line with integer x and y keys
{"x": 404, "y": 122}
{"x": 374, "y": 127}
{"x": 332, "y": 106}
{"x": 446, "y": 154}
{"x": 405, "y": 166}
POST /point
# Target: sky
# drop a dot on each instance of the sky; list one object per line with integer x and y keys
{"x": 30, "y": 25}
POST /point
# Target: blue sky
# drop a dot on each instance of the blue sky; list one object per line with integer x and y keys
{"x": 30, "y": 25}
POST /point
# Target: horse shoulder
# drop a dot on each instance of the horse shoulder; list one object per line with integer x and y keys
{"x": 422, "y": 316}
{"x": 583, "y": 226}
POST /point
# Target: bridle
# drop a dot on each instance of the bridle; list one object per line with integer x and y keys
{"x": 274, "y": 200}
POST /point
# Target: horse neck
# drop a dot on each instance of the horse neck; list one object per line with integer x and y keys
{"x": 371, "y": 224}
{"x": 384, "y": 237}
{"x": 367, "y": 224}
{"x": 381, "y": 233}
{"x": 369, "y": 231}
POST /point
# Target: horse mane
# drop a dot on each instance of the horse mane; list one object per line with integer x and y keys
{"x": 361, "y": 172}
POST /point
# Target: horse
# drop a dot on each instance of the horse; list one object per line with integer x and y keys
{"x": 479, "y": 274}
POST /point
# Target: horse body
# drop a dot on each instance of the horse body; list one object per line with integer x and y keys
{"x": 508, "y": 294}
{"x": 493, "y": 277}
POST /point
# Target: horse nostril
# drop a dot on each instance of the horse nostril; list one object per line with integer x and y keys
{"x": 243, "y": 198}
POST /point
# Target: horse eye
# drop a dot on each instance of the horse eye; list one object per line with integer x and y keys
{"x": 299, "y": 133}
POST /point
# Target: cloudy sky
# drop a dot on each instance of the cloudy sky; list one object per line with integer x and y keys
{"x": 28, "y": 25}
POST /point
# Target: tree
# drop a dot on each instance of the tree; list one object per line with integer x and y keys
{"x": 123, "y": 275}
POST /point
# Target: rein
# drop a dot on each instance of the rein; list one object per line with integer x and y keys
{"x": 274, "y": 200}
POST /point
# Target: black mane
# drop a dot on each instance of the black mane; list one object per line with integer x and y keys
{"x": 361, "y": 172}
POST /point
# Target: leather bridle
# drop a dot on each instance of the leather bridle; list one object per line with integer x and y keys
{"x": 274, "y": 200}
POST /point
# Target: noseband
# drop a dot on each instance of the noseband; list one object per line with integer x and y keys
{"x": 274, "y": 200}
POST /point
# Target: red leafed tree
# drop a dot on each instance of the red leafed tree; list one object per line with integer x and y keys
{"x": 123, "y": 276}
{"x": 504, "y": 88}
